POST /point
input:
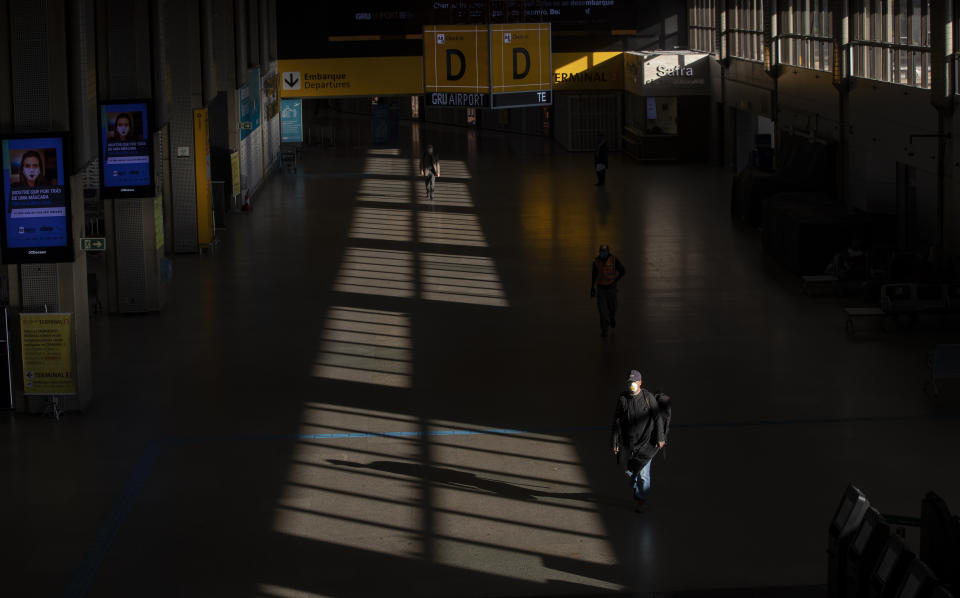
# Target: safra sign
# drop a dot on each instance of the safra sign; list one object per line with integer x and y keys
{"x": 675, "y": 68}
{"x": 674, "y": 71}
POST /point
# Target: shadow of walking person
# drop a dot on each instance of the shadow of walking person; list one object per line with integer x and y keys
{"x": 456, "y": 478}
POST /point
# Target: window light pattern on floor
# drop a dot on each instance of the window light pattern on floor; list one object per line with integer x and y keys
{"x": 366, "y": 345}
{"x": 382, "y": 224}
{"x": 446, "y": 193}
{"x": 384, "y": 191}
{"x": 389, "y": 166}
{"x": 451, "y": 169}
{"x": 450, "y": 228}
{"x": 461, "y": 279}
{"x": 425, "y": 493}
{"x": 376, "y": 272}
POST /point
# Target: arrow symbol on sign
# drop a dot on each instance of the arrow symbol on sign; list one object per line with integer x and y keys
{"x": 291, "y": 80}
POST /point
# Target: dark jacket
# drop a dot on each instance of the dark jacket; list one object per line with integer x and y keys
{"x": 600, "y": 154}
{"x": 428, "y": 162}
{"x": 639, "y": 423}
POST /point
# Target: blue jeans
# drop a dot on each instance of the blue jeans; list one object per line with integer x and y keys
{"x": 640, "y": 481}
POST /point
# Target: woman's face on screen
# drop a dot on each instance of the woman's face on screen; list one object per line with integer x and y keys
{"x": 123, "y": 127}
{"x": 31, "y": 169}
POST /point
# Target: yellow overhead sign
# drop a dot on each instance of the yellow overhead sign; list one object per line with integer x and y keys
{"x": 345, "y": 77}
{"x": 520, "y": 57}
{"x": 586, "y": 71}
{"x": 456, "y": 58}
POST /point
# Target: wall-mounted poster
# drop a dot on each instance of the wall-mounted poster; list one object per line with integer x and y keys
{"x": 126, "y": 150}
{"x": 36, "y": 199}
{"x": 250, "y": 104}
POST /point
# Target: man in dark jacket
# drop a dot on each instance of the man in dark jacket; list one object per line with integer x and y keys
{"x": 606, "y": 273}
{"x": 641, "y": 422}
{"x": 430, "y": 169}
{"x": 600, "y": 160}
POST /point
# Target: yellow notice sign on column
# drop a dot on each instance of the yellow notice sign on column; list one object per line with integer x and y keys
{"x": 520, "y": 57}
{"x": 456, "y": 58}
{"x": 201, "y": 157}
{"x": 46, "y": 344}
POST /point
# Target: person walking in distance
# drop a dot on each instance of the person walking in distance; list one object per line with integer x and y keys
{"x": 607, "y": 272}
{"x": 641, "y": 422}
{"x": 430, "y": 169}
{"x": 600, "y": 157}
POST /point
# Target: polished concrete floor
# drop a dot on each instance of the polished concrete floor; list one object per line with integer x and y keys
{"x": 363, "y": 394}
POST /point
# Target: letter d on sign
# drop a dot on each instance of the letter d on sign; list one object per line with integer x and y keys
{"x": 526, "y": 55}
{"x": 463, "y": 65}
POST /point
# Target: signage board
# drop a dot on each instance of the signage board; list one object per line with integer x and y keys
{"x": 587, "y": 71}
{"x": 458, "y": 99}
{"x": 349, "y": 77}
{"x": 677, "y": 73}
{"x": 456, "y": 59}
{"x": 46, "y": 343}
{"x": 93, "y": 243}
{"x": 519, "y": 99}
{"x": 36, "y": 199}
{"x": 520, "y": 58}
{"x": 291, "y": 121}
{"x": 250, "y": 103}
{"x": 126, "y": 150}
{"x": 201, "y": 158}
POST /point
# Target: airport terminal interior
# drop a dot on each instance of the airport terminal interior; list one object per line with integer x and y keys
{"x": 261, "y": 341}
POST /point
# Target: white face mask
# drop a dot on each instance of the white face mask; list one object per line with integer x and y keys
{"x": 31, "y": 172}
{"x": 634, "y": 387}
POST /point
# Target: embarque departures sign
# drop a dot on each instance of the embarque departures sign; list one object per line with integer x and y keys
{"x": 487, "y": 66}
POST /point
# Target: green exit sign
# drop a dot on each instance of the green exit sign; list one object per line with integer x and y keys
{"x": 93, "y": 243}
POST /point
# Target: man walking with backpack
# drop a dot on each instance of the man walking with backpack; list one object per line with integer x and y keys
{"x": 641, "y": 422}
{"x": 430, "y": 168}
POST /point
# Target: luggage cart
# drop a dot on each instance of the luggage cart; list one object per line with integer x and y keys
{"x": 289, "y": 160}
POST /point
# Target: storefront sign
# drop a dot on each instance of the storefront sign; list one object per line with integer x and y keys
{"x": 667, "y": 73}
{"x": 46, "y": 343}
{"x": 36, "y": 200}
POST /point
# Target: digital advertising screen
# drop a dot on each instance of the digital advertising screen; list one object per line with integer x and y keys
{"x": 126, "y": 150}
{"x": 36, "y": 200}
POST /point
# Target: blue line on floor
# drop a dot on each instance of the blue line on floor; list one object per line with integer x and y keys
{"x": 111, "y": 526}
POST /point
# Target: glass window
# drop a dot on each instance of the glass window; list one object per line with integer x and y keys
{"x": 805, "y": 38}
{"x": 891, "y": 41}
{"x": 743, "y": 33}
{"x": 703, "y": 28}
